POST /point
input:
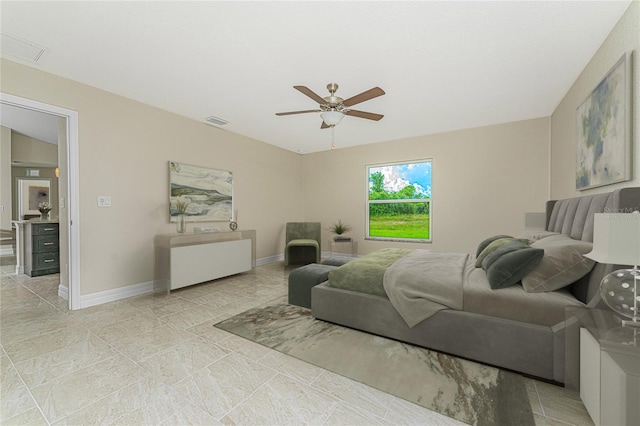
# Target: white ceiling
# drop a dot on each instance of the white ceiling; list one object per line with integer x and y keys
{"x": 35, "y": 124}
{"x": 445, "y": 65}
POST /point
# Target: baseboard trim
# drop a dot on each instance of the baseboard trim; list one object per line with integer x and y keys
{"x": 107, "y": 296}
{"x": 63, "y": 291}
{"x": 115, "y": 294}
{"x": 270, "y": 259}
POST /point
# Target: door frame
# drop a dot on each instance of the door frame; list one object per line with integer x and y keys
{"x": 72, "y": 185}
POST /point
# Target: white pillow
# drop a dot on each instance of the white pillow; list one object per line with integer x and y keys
{"x": 563, "y": 264}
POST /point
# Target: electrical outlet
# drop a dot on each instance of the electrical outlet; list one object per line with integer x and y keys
{"x": 104, "y": 201}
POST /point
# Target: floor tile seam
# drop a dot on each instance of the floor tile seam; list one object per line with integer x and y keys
{"x": 112, "y": 356}
{"x": 362, "y": 410}
{"x": 115, "y": 349}
{"x": 284, "y": 373}
{"x": 145, "y": 359}
{"x": 28, "y": 389}
{"x": 535, "y": 387}
{"x": 563, "y": 422}
{"x": 41, "y": 335}
{"x": 42, "y": 298}
{"x": 324, "y": 371}
{"x": 260, "y": 388}
{"x": 100, "y": 399}
{"x": 181, "y": 310}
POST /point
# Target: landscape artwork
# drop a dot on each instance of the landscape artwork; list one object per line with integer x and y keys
{"x": 210, "y": 192}
{"x": 603, "y": 138}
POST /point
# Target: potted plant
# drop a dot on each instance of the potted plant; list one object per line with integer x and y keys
{"x": 340, "y": 228}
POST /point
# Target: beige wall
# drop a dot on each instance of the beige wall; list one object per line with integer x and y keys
{"x": 484, "y": 180}
{"x": 624, "y": 38}
{"x": 5, "y": 178}
{"x": 124, "y": 147}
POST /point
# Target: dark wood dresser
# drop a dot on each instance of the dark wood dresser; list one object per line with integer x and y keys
{"x": 42, "y": 254}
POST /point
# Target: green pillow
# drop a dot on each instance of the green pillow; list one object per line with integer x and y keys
{"x": 490, "y": 248}
{"x": 513, "y": 266}
{"x": 488, "y": 241}
{"x": 499, "y": 248}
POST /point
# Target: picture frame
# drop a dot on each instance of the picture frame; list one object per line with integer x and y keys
{"x": 210, "y": 192}
{"x": 32, "y": 192}
{"x": 603, "y": 130}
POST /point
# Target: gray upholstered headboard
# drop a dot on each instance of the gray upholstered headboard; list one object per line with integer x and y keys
{"x": 574, "y": 217}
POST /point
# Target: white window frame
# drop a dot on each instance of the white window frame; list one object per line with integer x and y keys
{"x": 368, "y": 202}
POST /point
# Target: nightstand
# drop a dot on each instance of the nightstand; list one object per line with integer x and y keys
{"x": 602, "y": 362}
{"x": 42, "y": 256}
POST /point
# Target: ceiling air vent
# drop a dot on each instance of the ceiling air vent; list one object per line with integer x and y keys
{"x": 21, "y": 48}
{"x": 217, "y": 121}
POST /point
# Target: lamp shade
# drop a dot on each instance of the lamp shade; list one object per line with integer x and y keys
{"x": 616, "y": 238}
{"x": 331, "y": 118}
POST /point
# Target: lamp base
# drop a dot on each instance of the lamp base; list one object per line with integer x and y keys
{"x": 620, "y": 290}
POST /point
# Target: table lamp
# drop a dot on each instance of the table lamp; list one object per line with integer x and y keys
{"x": 616, "y": 240}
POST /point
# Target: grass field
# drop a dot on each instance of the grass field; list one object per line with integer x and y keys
{"x": 400, "y": 226}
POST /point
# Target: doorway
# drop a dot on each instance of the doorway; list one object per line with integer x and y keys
{"x": 69, "y": 192}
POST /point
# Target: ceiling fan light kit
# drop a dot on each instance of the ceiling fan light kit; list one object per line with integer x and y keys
{"x": 331, "y": 118}
{"x": 333, "y": 108}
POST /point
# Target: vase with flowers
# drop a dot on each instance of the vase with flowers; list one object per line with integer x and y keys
{"x": 45, "y": 210}
{"x": 181, "y": 204}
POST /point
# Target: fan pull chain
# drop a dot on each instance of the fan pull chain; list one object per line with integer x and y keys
{"x": 333, "y": 144}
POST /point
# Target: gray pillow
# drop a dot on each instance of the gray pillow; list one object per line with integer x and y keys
{"x": 562, "y": 265}
{"x": 499, "y": 248}
{"x": 488, "y": 241}
{"x": 513, "y": 266}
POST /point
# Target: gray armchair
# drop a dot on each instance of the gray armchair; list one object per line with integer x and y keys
{"x": 303, "y": 243}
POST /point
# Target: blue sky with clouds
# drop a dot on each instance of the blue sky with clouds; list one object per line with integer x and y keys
{"x": 398, "y": 176}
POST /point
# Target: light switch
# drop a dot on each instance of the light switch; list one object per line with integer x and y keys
{"x": 104, "y": 201}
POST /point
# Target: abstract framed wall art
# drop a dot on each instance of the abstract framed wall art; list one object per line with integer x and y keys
{"x": 603, "y": 128}
{"x": 210, "y": 192}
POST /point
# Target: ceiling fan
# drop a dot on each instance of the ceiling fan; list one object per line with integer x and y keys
{"x": 333, "y": 108}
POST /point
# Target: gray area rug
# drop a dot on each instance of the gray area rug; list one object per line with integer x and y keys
{"x": 467, "y": 391}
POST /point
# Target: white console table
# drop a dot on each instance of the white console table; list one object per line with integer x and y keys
{"x": 603, "y": 365}
{"x": 186, "y": 259}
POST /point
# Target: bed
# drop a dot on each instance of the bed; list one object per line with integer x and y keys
{"x": 509, "y": 327}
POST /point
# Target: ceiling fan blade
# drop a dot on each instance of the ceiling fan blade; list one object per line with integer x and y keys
{"x": 324, "y": 125}
{"x": 310, "y": 93}
{"x": 297, "y": 112}
{"x": 363, "y": 114}
{"x": 364, "y": 96}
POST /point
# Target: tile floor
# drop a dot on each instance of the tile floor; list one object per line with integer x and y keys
{"x": 157, "y": 359}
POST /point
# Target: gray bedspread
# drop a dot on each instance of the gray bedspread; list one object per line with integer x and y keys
{"x": 425, "y": 282}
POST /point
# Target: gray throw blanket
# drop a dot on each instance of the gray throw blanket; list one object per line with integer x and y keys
{"x": 425, "y": 282}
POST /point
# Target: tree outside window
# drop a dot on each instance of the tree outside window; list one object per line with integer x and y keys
{"x": 399, "y": 201}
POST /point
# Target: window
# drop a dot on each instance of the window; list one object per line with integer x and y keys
{"x": 399, "y": 201}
